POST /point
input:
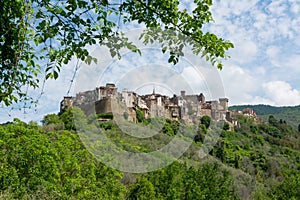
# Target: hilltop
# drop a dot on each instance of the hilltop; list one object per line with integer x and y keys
{"x": 290, "y": 114}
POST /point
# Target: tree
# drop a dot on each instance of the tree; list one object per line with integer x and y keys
{"x": 52, "y": 165}
{"x": 201, "y": 132}
{"x": 226, "y": 126}
{"x": 273, "y": 121}
{"x": 205, "y": 120}
{"x": 167, "y": 129}
{"x": 52, "y": 122}
{"x": 288, "y": 188}
{"x": 180, "y": 181}
{"x": 51, "y": 119}
{"x": 175, "y": 125}
{"x": 142, "y": 189}
{"x": 39, "y": 36}
{"x": 140, "y": 116}
{"x": 74, "y": 119}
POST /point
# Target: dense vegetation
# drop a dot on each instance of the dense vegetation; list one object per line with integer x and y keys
{"x": 51, "y": 162}
{"x": 290, "y": 114}
{"x": 267, "y": 151}
{"x": 256, "y": 160}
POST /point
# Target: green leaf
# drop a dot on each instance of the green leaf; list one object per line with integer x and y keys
{"x": 164, "y": 49}
{"x": 220, "y": 66}
{"x": 55, "y": 74}
{"x": 88, "y": 60}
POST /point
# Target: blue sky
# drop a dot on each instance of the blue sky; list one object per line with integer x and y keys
{"x": 264, "y": 67}
{"x": 265, "y": 63}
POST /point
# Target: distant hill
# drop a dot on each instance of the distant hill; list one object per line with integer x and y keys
{"x": 291, "y": 114}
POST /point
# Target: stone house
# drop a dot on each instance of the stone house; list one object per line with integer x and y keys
{"x": 186, "y": 108}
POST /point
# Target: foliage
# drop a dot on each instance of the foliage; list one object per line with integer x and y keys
{"x": 60, "y": 30}
{"x": 167, "y": 129}
{"x": 105, "y": 116}
{"x": 201, "y": 132}
{"x": 264, "y": 150}
{"x": 226, "y": 126}
{"x": 205, "y": 120}
{"x": 55, "y": 164}
{"x": 51, "y": 119}
{"x": 142, "y": 189}
{"x": 140, "y": 116}
{"x": 288, "y": 188}
{"x": 106, "y": 125}
{"x": 272, "y": 120}
{"x": 71, "y": 116}
{"x": 288, "y": 113}
{"x": 179, "y": 181}
{"x": 256, "y": 160}
{"x": 52, "y": 122}
{"x": 171, "y": 127}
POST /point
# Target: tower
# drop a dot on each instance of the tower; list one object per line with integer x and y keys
{"x": 202, "y": 98}
{"x": 182, "y": 93}
{"x": 224, "y": 103}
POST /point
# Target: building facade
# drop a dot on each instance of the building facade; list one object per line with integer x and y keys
{"x": 186, "y": 108}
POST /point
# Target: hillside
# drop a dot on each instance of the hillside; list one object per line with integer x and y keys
{"x": 290, "y": 114}
{"x": 253, "y": 160}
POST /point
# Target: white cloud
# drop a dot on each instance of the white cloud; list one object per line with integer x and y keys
{"x": 277, "y": 7}
{"x": 295, "y": 8}
{"x": 193, "y": 78}
{"x": 286, "y": 60}
{"x": 259, "y": 18}
{"x": 260, "y": 71}
{"x": 239, "y": 84}
{"x": 245, "y": 51}
{"x": 281, "y": 93}
{"x": 254, "y": 100}
{"x": 273, "y": 51}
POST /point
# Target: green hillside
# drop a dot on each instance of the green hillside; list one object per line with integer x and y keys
{"x": 290, "y": 114}
{"x": 253, "y": 160}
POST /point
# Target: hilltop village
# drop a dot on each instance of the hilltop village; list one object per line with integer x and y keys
{"x": 187, "y": 108}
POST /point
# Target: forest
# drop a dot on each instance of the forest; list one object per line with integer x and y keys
{"x": 254, "y": 160}
{"x": 289, "y": 114}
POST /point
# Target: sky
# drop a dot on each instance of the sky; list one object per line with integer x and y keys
{"x": 264, "y": 66}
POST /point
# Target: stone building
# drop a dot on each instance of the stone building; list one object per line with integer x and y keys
{"x": 193, "y": 107}
{"x": 187, "y": 108}
{"x": 249, "y": 112}
{"x": 108, "y": 91}
{"x": 99, "y": 100}
{"x": 161, "y": 106}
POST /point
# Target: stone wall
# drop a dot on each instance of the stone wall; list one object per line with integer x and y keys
{"x": 106, "y": 99}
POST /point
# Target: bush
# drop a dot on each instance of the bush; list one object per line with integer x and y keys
{"x": 226, "y": 126}
{"x": 205, "y": 120}
{"x": 167, "y": 129}
{"x": 106, "y": 116}
{"x": 106, "y": 125}
{"x": 140, "y": 116}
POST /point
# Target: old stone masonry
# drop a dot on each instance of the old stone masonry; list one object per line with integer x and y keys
{"x": 186, "y": 108}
